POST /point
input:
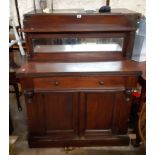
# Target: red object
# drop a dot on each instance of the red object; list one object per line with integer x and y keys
{"x": 136, "y": 94}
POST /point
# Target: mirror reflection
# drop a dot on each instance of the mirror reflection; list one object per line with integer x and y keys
{"x": 49, "y": 45}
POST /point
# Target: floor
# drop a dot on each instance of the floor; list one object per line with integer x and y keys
{"x": 21, "y": 146}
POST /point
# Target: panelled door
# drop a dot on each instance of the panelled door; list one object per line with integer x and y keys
{"x": 103, "y": 113}
{"x": 53, "y": 114}
{"x": 73, "y": 114}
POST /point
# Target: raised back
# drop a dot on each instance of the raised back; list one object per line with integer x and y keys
{"x": 71, "y": 36}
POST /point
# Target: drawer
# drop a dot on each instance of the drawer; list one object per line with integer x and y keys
{"x": 78, "y": 82}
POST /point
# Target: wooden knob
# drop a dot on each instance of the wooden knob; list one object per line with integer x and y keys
{"x": 56, "y": 83}
{"x": 101, "y": 83}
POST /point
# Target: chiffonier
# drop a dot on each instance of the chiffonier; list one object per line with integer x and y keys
{"x": 79, "y": 77}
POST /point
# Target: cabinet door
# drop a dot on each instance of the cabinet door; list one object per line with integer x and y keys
{"x": 103, "y": 113}
{"x": 53, "y": 114}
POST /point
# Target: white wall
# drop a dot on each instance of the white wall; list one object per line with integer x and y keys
{"x": 27, "y": 5}
{"x": 136, "y": 5}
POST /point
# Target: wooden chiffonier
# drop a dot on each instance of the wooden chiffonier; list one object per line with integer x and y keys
{"x": 79, "y": 77}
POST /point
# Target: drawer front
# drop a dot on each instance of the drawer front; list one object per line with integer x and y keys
{"x": 78, "y": 82}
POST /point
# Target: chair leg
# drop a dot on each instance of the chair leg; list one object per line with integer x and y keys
{"x": 17, "y": 96}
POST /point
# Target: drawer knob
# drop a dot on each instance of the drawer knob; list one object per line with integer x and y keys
{"x": 101, "y": 82}
{"x": 56, "y": 83}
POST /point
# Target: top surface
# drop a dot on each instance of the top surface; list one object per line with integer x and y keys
{"x": 32, "y": 69}
{"x": 81, "y": 11}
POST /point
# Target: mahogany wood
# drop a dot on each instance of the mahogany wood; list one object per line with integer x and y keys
{"x": 78, "y": 82}
{"x": 62, "y": 23}
{"x": 79, "y": 98}
{"x": 87, "y": 104}
{"x": 88, "y": 22}
{"x": 33, "y": 69}
{"x": 38, "y": 142}
{"x": 76, "y": 57}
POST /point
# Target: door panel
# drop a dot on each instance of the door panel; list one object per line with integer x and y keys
{"x": 67, "y": 114}
{"x": 99, "y": 111}
{"x": 57, "y": 113}
{"x": 60, "y": 114}
{"x": 103, "y": 113}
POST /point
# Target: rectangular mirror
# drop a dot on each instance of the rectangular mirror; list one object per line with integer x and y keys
{"x": 50, "y": 45}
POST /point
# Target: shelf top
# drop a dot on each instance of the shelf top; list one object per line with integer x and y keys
{"x": 43, "y": 69}
{"x": 82, "y": 11}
